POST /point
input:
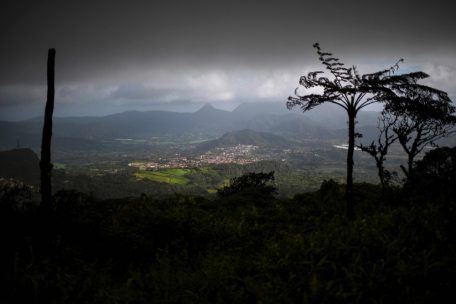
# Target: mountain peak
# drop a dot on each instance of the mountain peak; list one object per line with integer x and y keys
{"x": 206, "y": 107}
{"x": 209, "y": 110}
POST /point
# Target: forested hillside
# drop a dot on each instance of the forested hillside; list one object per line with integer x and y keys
{"x": 243, "y": 246}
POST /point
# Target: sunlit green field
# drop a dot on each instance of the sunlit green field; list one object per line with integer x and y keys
{"x": 169, "y": 176}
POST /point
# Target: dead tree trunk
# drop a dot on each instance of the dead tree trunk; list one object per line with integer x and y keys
{"x": 45, "y": 163}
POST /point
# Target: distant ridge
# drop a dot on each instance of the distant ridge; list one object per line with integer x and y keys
{"x": 206, "y": 122}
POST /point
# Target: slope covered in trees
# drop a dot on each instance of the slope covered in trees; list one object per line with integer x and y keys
{"x": 241, "y": 247}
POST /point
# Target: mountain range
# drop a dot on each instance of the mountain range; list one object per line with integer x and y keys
{"x": 208, "y": 122}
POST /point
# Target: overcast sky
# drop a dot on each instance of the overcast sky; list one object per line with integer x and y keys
{"x": 114, "y": 56}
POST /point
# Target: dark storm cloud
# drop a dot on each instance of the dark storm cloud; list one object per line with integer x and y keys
{"x": 113, "y": 43}
{"x": 21, "y": 94}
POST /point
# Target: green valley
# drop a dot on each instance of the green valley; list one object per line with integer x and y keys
{"x": 169, "y": 176}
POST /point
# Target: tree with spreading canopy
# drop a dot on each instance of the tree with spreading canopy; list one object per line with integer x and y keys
{"x": 258, "y": 182}
{"x": 352, "y": 92}
{"x": 422, "y": 118}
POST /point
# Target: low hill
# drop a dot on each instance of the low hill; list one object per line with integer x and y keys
{"x": 246, "y": 137}
{"x": 21, "y": 164}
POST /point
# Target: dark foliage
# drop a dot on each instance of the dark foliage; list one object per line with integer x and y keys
{"x": 435, "y": 177}
{"x": 423, "y": 116}
{"x": 21, "y": 164}
{"x": 253, "y": 187}
{"x": 187, "y": 249}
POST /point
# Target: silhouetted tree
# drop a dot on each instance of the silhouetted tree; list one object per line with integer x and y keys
{"x": 379, "y": 149}
{"x": 423, "y": 117}
{"x": 251, "y": 183}
{"x": 349, "y": 90}
{"x": 45, "y": 163}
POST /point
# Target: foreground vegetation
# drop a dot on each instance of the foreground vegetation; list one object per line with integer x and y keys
{"x": 245, "y": 247}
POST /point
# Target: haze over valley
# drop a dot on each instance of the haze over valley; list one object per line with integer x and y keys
{"x": 163, "y": 151}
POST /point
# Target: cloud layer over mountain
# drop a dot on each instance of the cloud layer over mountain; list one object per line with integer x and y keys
{"x": 118, "y": 55}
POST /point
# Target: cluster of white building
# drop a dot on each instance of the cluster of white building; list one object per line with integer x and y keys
{"x": 239, "y": 154}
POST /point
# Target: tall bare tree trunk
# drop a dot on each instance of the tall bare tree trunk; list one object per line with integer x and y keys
{"x": 351, "y": 148}
{"x": 45, "y": 163}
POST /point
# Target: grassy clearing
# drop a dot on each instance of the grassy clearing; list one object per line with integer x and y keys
{"x": 59, "y": 166}
{"x": 169, "y": 176}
